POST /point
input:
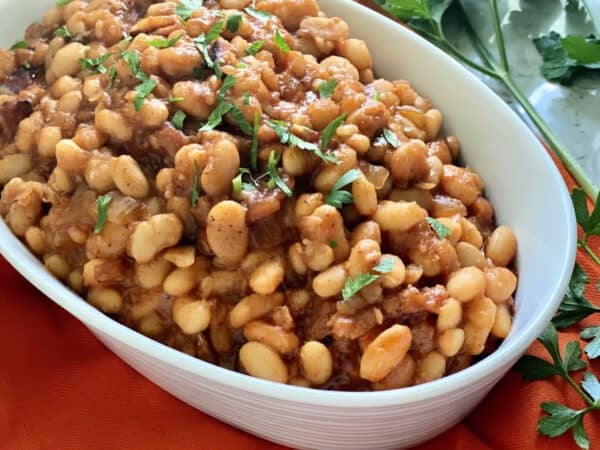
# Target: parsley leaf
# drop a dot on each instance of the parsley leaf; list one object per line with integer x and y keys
{"x": 338, "y": 198}
{"x": 560, "y": 420}
{"x": 275, "y": 177}
{"x": 589, "y": 222}
{"x": 19, "y": 44}
{"x": 591, "y": 385}
{"x": 203, "y": 42}
{"x": 185, "y": 8}
{"x": 63, "y": 2}
{"x": 240, "y": 120}
{"x": 332, "y": 243}
{"x": 593, "y": 348}
{"x": 254, "y": 146}
{"x": 62, "y": 32}
{"x": 143, "y": 90}
{"x": 178, "y": 119}
{"x": 286, "y": 137}
{"x": 96, "y": 65}
{"x": 378, "y": 96}
{"x": 176, "y": 99}
{"x": 440, "y": 229}
{"x": 281, "y": 42}
{"x": 391, "y": 137}
{"x": 236, "y": 184}
{"x": 195, "y": 189}
{"x": 386, "y": 265}
{"x": 246, "y": 98}
{"x": 354, "y": 285}
{"x": 227, "y": 84}
{"x": 233, "y": 22}
{"x": 574, "y": 307}
{"x": 133, "y": 60}
{"x": 216, "y": 116}
{"x": 564, "y": 57}
{"x": 329, "y": 131}
{"x": 254, "y": 48}
{"x": 326, "y": 88}
{"x": 263, "y": 16}
{"x": 165, "y": 43}
{"x": 102, "y": 205}
{"x": 112, "y": 76}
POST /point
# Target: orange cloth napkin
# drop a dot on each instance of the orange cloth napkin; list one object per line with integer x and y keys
{"x": 61, "y": 389}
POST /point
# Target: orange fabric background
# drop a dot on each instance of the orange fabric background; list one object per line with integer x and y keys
{"x": 60, "y": 388}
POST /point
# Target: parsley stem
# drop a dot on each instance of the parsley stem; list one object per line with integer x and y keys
{"x": 555, "y": 144}
{"x": 581, "y": 243}
{"x": 499, "y": 36}
{"x": 580, "y": 391}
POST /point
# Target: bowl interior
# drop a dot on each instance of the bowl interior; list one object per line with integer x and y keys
{"x": 522, "y": 182}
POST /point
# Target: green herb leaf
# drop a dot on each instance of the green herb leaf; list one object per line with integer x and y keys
{"x": 593, "y": 348}
{"x": 246, "y": 98}
{"x": 391, "y": 138}
{"x": 254, "y": 48}
{"x": 178, "y": 119}
{"x": 142, "y": 91}
{"x": 386, "y": 265}
{"x": 406, "y": 10}
{"x": 96, "y": 65}
{"x": 233, "y": 22}
{"x": 329, "y": 131}
{"x": 338, "y": 198}
{"x": 254, "y": 146}
{"x": 286, "y": 137}
{"x": 591, "y": 385}
{"x": 275, "y": 177}
{"x": 534, "y": 368}
{"x": 574, "y": 307}
{"x": 176, "y": 99}
{"x": 354, "y": 285}
{"x": 165, "y": 43}
{"x": 237, "y": 184}
{"x": 132, "y": 58}
{"x": 378, "y": 96}
{"x": 214, "y": 32}
{"x": 63, "y": 2}
{"x": 263, "y": 16}
{"x": 440, "y": 229}
{"x": 326, "y": 88}
{"x": 589, "y": 222}
{"x": 586, "y": 51}
{"x": 19, "y": 44}
{"x": 560, "y": 420}
{"x": 216, "y": 116}
{"x": 203, "y": 42}
{"x": 332, "y": 243}
{"x": 185, "y": 8}
{"x": 195, "y": 189}
{"x": 240, "y": 120}
{"x": 112, "y": 76}
{"x": 579, "y": 435}
{"x": 227, "y": 84}
{"x": 62, "y": 32}
{"x": 102, "y": 206}
{"x": 281, "y": 42}
{"x": 571, "y": 360}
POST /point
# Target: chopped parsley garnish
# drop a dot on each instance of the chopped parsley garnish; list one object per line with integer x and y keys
{"x": 338, "y": 198}
{"x": 326, "y": 88}
{"x": 62, "y": 32}
{"x": 378, "y": 96}
{"x": 241, "y": 65}
{"x": 186, "y": 8}
{"x": 195, "y": 188}
{"x": 263, "y": 16}
{"x": 233, "y": 22}
{"x": 254, "y": 147}
{"x": 147, "y": 84}
{"x": 216, "y": 116}
{"x": 275, "y": 177}
{"x": 391, "y": 137}
{"x": 240, "y": 120}
{"x": 354, "y": 285}
{"x": 246, "y": 98}
{"x": 330, "y": 129}
{"x": 96, "y": 65}
{"x": 19, "y": 44}
{"x": 178, "y": 119}
{"x": 102, "y": 206}
{"x": 112, "y": 76}
{"x": 227, "y": 84}
{"x": 203, "y": 42}
{"x": 237, "y": 184}
{"x": 176, "y": 99}
{"x": 63, "y": 2}
{"x": 440, "y": 229}
{"x": 281, "y": 42}
{"x": 165, "y": 43}
{"x": 286, "y": 137}
{"x": 332, "y": 243}
{"x": 255, "y": 47}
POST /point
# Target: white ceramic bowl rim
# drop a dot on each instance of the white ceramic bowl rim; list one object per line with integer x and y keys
{"x": 16, "y": 253}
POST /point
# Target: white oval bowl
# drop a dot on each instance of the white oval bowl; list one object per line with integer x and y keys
{"x": 526, "y": 190}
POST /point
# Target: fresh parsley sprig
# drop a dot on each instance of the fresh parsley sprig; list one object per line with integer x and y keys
{"x": 560, "y": 418}
{"x": 425, "y": 17}
{"x": 96, "y": 65}
{"x": 337, "y": 197}
{"x": 286, "y": 137}
{"x": 574, "y": 307}
{"x": 147, "y": 85}
{"x": 281, "y": 42}
{"x": 590, "y": 223}
{"x": 356, "y": 284}
{"x": 62, "y": 32}
{"x": 204, "y": 41}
